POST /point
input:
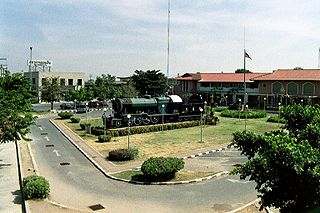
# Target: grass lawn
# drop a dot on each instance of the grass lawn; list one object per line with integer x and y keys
{"x": 176, "y": 142}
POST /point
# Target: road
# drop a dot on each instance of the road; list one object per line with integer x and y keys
{"x": 80, "y": 185}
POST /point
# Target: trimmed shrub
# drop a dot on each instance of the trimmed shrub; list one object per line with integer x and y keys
{"x": 220, "y": 109}
{"x": 120, "y": 155}
{"x": 75, "y": 120}
{"x": 104, "y": 138}
{"x": 274, "y": 119}
{"x": 134, "y": 151}
{"x": 83, "y": 125}
{"x": 65, "y": 115}
{"x": 161, "y": 169}
{"x": 35, "y": 187}
{"x": 249, "y": 114}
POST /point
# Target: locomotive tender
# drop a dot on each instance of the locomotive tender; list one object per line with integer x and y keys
{"x": 153, "y": 110}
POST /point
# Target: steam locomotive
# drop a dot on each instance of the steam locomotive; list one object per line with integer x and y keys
{"x": 153, "y": 110}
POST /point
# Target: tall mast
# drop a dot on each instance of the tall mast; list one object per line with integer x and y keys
{"x": 168, "y": 48}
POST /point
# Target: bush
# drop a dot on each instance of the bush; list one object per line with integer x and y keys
{"x": 65, "y": 115}
{"x": 220, "y": 109}
{"x": 75, "y": 120}
{"x": 120, "y": 155}
{"x": 243, "y": 114}
{"x": 104, "y": 138}
{"x": 134, "y": 151}
{"x": 35, "y": 187}
{"x": 274, "y": 119}
{"x": 161, "y": 169}
{"x": 83, "y": 125}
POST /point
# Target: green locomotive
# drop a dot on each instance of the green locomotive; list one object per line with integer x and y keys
{"x": 153, "y": 110}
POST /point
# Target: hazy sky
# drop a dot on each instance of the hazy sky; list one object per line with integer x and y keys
{"x": 121, "y": 36}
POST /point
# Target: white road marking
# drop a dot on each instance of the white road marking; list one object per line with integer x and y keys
{"x": 238, "y": 181}
{"x": 46, "y": 137}
{"x": 40, "y": 128}
{"x": 56, "y": 152}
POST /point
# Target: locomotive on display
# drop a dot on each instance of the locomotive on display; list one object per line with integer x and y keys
{"x": 153, "y": 110}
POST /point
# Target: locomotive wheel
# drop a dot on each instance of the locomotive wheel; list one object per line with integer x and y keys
{"x": 137, "y": 121}
{"x": 154, "y": 120}
{"x": 117, "y": 124}
{"x": 146, "y": 121}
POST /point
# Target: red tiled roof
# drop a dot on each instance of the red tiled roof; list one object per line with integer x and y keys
{"x": 291, "y": 75}
{"x": 219, "y": 77}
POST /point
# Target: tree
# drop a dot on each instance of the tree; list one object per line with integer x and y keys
{"x": 285, "y": 164}
{"x": 242, "y": 71}
{"x": 15, "y": 105}
{"x": 150, "y": 82}
{"x": 80, "y": 95}
{"x": 105, "y": 87}
{"x": 128, "y": 90}
{"x": 50, "y": 90}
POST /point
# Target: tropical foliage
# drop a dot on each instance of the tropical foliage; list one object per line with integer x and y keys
{"x": 285, "y": 164}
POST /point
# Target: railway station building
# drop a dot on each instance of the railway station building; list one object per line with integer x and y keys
{"x": 263, "y": 89}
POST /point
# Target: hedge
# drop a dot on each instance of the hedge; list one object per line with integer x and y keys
{"x": 161, "y": 169}
{"x": 249, "y": 114}
{"x": 97, "y": 130}
{"x": 274, "y": 119}
{"x": 35, "y": 187}
{"x": 65, "y": 115}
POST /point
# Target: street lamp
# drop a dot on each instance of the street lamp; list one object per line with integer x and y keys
{"x": 226, "y": 100}
{"x": 264, "y": 103}
{"x": 201, "y": 127}
{"x": 75, "y": 106}
{"x": 104, "y": 120}
{"x": 205, "y": 112}
{"x": 279, "y": 104}
{"x": 245, "y": 121}
{"x": 162, "y": 106}
{"x": 129, "y": 123}
{"x": 86, "y": 112}
{"x": 239, "y": 107}
{"x": 301, "y": 101}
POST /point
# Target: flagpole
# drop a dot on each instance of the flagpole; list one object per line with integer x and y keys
{"x": 244, "y": 78}
{"x": 168, "y": 48}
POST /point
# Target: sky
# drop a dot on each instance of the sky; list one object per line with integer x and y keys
{"x": 118, "y": 37}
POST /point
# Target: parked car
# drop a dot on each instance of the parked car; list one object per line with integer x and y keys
{"x": 66, "y": 106}
{"x": 81, "y": 108}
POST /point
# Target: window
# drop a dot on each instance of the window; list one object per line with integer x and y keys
{"x": 226, "y": 84}
{"x": 292, "y": 88}
{"x": 33, "y": 81}
{"x": 216, "y": 84}
{"x": 264, "y": 85}
{"x": 308, "y": 88}
{"x": 205, "y": 84}
{"x": 79, "y": 82}
{"x": 62, "y": 82}
{"x": 70, "y": 82}
{"x": 276, "y": 87}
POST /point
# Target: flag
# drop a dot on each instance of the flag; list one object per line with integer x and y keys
{"x": 246, "y": 55}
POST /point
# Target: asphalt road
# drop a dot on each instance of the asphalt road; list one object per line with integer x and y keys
{"x": 81, "y": 185}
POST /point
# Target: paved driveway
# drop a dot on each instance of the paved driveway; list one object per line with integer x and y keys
{"x": 10, "y": 195}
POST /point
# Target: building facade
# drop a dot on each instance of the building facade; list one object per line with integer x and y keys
{"x": 67, "y": 80}
{"x": 282, "y": 86}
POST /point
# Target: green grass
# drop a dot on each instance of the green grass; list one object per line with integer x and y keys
{"x": 179, "y": 141}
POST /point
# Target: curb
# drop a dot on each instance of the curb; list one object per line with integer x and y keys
{"x": 25, "y": 204}
{"x": 139, "y": 182}
{"x": 244, "y": 206}
{"x": 208, "y": 152}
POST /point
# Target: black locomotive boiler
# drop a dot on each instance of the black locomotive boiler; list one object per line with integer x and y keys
{"x": 153, "y": 110}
